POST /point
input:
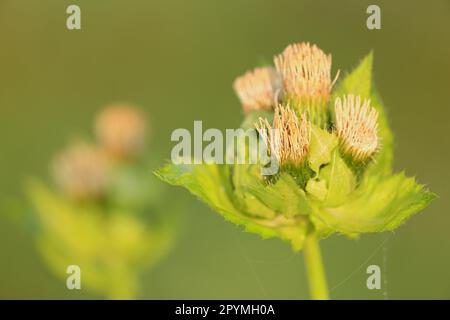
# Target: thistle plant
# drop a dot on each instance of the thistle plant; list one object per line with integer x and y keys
{"x": 99, "y": 215}
{"x": 335, "y": 151}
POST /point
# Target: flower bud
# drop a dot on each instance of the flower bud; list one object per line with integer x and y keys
{"x": 306, "y": 76}
{"x": 257, "y": 89}
{"x": 356, "y": 127}
{"x": 288, "y": 138}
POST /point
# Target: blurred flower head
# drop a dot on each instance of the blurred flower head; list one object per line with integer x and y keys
{"x": 81, "y": 171}
{"x": 257, "y": 89}
{"x": 121, "y": 130}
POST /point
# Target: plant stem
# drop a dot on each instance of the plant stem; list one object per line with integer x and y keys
{"x": 314, "y": 268}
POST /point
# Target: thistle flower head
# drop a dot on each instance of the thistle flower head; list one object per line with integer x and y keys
{"x": 257, "y": 89}
{"x": 356, "y": 126}
{"x": 306, "y": 72}
{"x": 288, "y": 138}
{"x": 121, "y": 130}
{"x": 320, "y": 189}
{"x": 81, "y": 171}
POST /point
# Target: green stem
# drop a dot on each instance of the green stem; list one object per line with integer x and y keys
{"x": 314, "y": 268}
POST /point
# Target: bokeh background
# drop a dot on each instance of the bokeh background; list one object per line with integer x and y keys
{"x": 177, "y": 59}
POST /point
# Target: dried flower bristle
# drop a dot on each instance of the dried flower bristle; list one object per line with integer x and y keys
{"x": 257, "y": 89}
{"x": 356, "y": 126}
{"x": 288, "y": 138}
{"x": 306, "y": 72}
{"x": 121, "y": 130}
{"x": 81, "y": 171}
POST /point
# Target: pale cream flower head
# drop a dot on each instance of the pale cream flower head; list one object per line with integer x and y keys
{"x": 257, "y": 89}
{"x": 306, "y": 72}
{"x": 288, "y": 138}
{"x": 357, "y": 127}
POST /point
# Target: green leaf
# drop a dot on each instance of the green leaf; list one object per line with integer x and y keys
{"x": 209, "y": 182}
{"x": 245, "y": 179}
{"x": 284, "y": 196}
{"x": 383, "y": 159}
{"x": 321, "y": 230}
{"x": 340, "y": 181}
{"x": 212, "y": 184}
{"x": 317, "y": 188}
{"x": 321, "y": 147}
{"x": 379, "y": 204}
{"x": 358, "y": 82}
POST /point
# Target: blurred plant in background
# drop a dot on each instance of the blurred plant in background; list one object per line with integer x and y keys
{"x": 108, "y": 215}
{"x": 334, "y": 148}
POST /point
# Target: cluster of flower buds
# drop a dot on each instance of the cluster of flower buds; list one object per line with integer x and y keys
{"x": 298, "y": 90}
{"x": 82, "y": 170}
{"x": 326, "y": 172}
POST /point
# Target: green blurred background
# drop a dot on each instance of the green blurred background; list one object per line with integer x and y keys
{"x": 177, "y": 59}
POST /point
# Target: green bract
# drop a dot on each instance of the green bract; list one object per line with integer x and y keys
{"x": 331, "y": 195}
